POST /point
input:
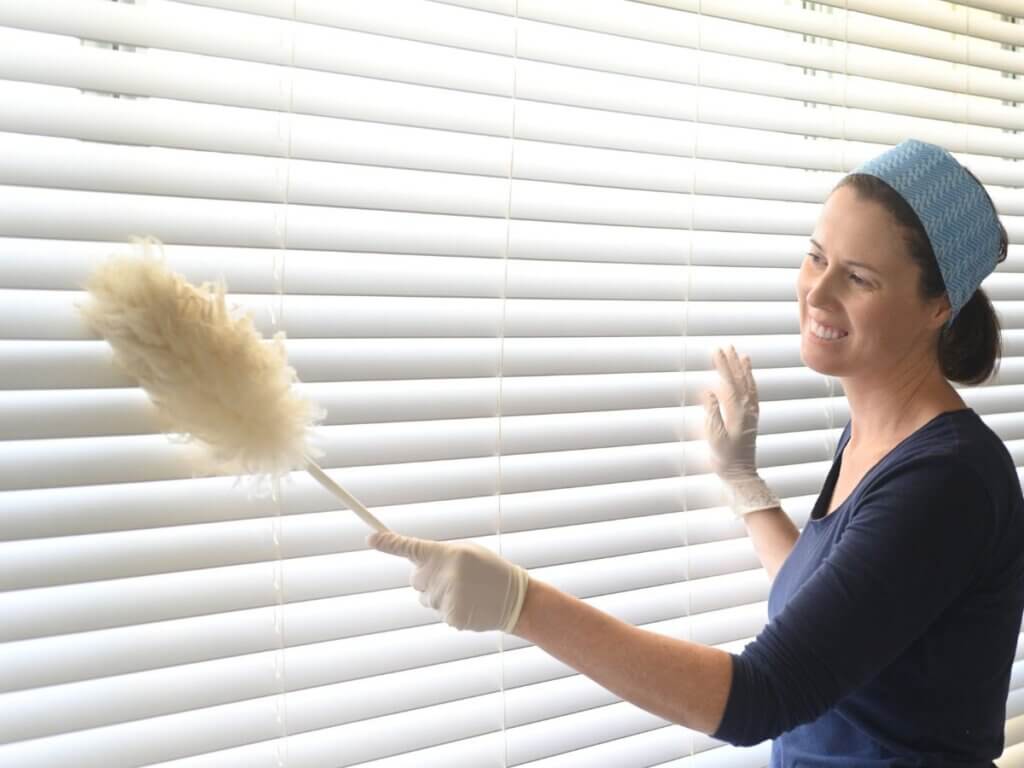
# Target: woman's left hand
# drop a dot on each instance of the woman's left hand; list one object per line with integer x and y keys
{"x": 472, "y": 587}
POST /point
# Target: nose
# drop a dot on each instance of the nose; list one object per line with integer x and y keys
{"x": 820, "y": 289}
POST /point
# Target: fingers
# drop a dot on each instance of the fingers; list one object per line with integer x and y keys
{"x": 730, "y": 363}
{"x": 713, "y": 426}
{"x": 718, "y": 359}
{"x": 417, "y": 550}
{"x": 748, "y": 376}
{"x": 728, "y": 368}
{"x": 420, "y": 579}
{"x": 429, "y": 600}
{"x": 736, "y": 366}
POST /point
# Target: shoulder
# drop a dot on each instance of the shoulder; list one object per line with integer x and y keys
{"x": 939, "y": 476}
{"x": 944, "y": 459}
{"x": 956, "y": 448}
{"x": 943, "y": 486}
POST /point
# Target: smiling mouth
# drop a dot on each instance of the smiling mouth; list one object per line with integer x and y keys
{"x": 822, "y": 333}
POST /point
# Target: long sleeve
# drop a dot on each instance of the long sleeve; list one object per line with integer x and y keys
{"x": 912, "y": 543}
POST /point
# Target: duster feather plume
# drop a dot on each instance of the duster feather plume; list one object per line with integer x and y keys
{"x": 207, "y": 371}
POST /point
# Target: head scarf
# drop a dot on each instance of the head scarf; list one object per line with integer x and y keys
{"x": 960, "y": 221}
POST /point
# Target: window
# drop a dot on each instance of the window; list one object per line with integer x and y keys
{"x": 503, "y": 239}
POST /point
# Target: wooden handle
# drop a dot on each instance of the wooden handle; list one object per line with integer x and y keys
{"x": 353, "y": 503}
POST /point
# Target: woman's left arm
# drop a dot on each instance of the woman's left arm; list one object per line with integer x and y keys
{"x": 680, "y": 681}
{"x": 474, "y": 588}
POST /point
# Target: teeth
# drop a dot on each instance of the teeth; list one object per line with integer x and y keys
{"x": 822, "y": 333}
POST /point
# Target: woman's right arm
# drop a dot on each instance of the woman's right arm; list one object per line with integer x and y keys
{"x": 774, "y": 536}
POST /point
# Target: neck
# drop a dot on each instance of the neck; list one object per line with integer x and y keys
{"x": 882, "y": 413}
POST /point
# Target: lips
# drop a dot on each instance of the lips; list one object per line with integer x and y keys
{"x": 828, "y": 326}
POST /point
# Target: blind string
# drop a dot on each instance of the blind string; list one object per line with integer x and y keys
{"x": 966, "y": 97}
{"x": 832, "y": 440}
{"x": 277, "y": 323}
{"x": 501, "y": 349}
{"x": 686, "y": 336}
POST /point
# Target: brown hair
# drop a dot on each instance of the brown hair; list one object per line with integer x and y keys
{"x": 969, "y": 350}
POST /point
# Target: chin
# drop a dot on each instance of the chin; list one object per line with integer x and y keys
{"x": 812, "y": 358}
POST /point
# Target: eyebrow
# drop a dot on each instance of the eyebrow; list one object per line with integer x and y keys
{"x": 851, "y": 263}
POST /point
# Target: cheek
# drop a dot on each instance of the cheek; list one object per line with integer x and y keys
{"x": 802, "y": 284}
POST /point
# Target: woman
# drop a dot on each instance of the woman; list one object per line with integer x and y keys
{"x": 894, "y": 614}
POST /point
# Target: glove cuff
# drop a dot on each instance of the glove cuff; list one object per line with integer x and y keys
{"x": 520, "y": 583}
{"x": 749, "y": 494}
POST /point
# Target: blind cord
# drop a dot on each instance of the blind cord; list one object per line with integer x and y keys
{"x": 832, "y": 440}
{"x": 686, "y": 333}
{"x": 277, "y": 323}
{"x": 967, "y": 80}
{"x": 501, "y": 348}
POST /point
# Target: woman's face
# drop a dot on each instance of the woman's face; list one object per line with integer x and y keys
{"x": 859, "y": 279}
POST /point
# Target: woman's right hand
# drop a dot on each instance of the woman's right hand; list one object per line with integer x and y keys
{"x": 730, "y": 417}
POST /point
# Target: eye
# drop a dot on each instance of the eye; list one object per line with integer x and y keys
{"x": 857, "y": 279}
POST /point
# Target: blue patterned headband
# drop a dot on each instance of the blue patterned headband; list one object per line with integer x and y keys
{"x": 955, "y": 211}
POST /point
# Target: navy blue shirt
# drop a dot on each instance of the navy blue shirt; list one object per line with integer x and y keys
{"x": 893, "y": 622}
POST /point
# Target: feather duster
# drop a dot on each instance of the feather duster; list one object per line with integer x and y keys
{"x": 208, "y": 372}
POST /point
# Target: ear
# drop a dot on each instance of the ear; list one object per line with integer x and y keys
{"x": 941, "y": 312}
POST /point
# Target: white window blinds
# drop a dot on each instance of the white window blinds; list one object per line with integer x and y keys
{"x": 502, "y": 238}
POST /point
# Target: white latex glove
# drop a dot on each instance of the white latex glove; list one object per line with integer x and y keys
{"x": 730, "y": 427}
{"x": 471, "y": 587}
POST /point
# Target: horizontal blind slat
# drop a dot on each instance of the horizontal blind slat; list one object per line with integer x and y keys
{"x": 64, "y": 413}
{"x": 51, "y": 111}
{"x": 555, "y": 192}
{"x": 308, "y": 547}
{"x": 325, "y": 46}
{"x": 619, "y": 26}
{"x": 85, "y": 461}
{"x": 586, "y": 94}
{"x": 191, "y": 732}
{"x": 66, "y": 265}
{"x": 662, "y": 744}
{"x": 344, "y": 579}
{"x": 322, "y": 702}
{"x": 54, "y": 315}
{"x": 67, "y": 164}
{"x": 668, "y": 25}
{"x": 978, "y": 25}
{"x": 589, "y": 367}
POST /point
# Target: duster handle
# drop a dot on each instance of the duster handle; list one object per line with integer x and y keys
{"x": 353, "y": 503}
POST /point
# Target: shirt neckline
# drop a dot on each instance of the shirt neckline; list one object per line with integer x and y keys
{"x": 833, "y": 474}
